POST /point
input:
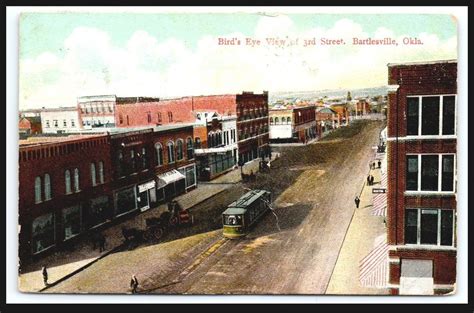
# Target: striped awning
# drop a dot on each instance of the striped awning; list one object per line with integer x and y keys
{"x": 379, "y": 204}
{"x": 373, "y": 269}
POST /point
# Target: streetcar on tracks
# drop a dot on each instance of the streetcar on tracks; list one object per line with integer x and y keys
{"x": 242, "y": 214}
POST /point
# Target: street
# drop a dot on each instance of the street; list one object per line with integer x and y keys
{"x": 313, "y": 189}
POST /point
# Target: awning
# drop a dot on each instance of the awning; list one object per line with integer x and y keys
{"x": 214, "y": 150}
{"x": 373, "y": 269}
{"x": 379, "y": 204}
{"x": 169, "y": 177}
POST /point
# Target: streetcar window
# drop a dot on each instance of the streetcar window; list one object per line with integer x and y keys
{"x": 233, "y": 220}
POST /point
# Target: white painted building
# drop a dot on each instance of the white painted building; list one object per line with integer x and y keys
{"x": 60, "y": 120}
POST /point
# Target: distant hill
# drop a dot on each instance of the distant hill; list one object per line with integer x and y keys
{"x": 364, "y": 92}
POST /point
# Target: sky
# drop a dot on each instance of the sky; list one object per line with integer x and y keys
{"x": 66, "y": 55}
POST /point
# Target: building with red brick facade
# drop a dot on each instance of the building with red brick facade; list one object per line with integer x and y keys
{"x": 292, "y": 124}
{"x": 421, "y": 193}
{"x": 71, "y": 186}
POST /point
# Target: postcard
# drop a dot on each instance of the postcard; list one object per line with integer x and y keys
{"x": 237, "y": 153}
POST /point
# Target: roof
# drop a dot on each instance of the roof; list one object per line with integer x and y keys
{"x": 326, "y": 110}
{"x": 246, "y": 199}
{"x": 422, "y": 62}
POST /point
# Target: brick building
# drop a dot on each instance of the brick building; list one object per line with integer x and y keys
{"x": 342, "y": 113}
{"x": 251, "y": 111}
{"x": 292, "y": 124}
{"x": 421, "y": 195}
{"x": 326, "y": 119}
{"x": 29, "y": 125}
{"x": 69, "y": 186}
{"x": 215, "y": 144}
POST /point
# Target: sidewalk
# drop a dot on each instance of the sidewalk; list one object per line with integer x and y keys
{"x": 358, "y": 243}
{"x": 64, "y": 264}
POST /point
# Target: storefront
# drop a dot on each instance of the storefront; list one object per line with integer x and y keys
{"x": 71, "y": 221}
{"x": 189, "y": 173}
{"x": 170, "y": 184}
{"x": 42, "y": 233}
{"x": 146, "y": 195}
{"x": 98, "y": 212}
{"x": 125, "y": 200}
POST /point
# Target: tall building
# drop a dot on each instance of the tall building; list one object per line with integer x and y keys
{"x": 421, "y": 195}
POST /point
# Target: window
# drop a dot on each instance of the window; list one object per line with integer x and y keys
{"x": 47, "y": 187}
{"x": 101, "y": 172}
{"x": 277, "y": 121}
{"x": 271, "y": 120}
{"x": 76, "y": 180}
{"x": 132, "y": 160}
{"x": 120, "y": 118}
{"x": 448, "y": 115}
{"x": 430, "y": 172}
{"x": 42, "y": 233}
{"x": 170, "y": 152}
{"x": 120, "y": 164}
{"x": 37, "y": 189}
{"x": 189, "y": 148}
{"x": 144, "y": 163}
{"x": 148, "y": 116}
{"x": 288, "y": 120}
{"x": 98, "y": 211}
{"x": 179, "y": 149}
{"x": 55, "y": 122}
{"x": 159, "y": 154}
{"x": 73, "y": 124}
{"x": 429, "y": 226}
{"x": 67, "y": 178}
{"x": 64, "y": 123}
{"x": 125, "y": 200}
{"x": 197, "y": 142}
{"x": 47, "y": 123}
{"x": 71, "y": 221}
{"x": 158, "y": 117}
{"x": 128, "y": 120}
{"x": 93, "y": 175}
{"x": 431, "y": 115}
{"x": 170, "y": 116}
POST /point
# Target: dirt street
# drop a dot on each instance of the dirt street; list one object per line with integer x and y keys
{"x": 313, "y": 189}
{"x": 314, "y": 214}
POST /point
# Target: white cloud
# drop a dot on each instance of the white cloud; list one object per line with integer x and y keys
{"x": 148, "y": 66}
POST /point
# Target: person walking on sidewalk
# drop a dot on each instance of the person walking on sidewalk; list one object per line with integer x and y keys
{"x": 368, "y": 180}
{"x": 357, "y": 201}
{"x": 371, "y": 180}
{"x": 379, "y": 163}
{"x": 134, "y": 284}
{"x": 45, "y": 276}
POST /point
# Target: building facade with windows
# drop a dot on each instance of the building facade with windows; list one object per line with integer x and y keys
{"x": 216, "y": 144}
{"x": 60, "y": 120}
{"x": 421, "y": 195}
{"x": 64, "y": 190}
{"x": 73, "y": 186}
{"x": 292, "y": 124}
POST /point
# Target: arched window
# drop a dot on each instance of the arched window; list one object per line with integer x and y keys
{"x": 197, "y": 142}
{"x": 132, "y": 160}
{"x": 209, "y": 140}
{"x": 47, "y": 187}
{"x": 288, "y": 120}
{"x": 93, "y": 175}
{"x": 37, "y": 189}
{"x": 170, "y": 152}
{"x": 101, "y": 172}
{"x": 159, "y": 154}
{"x": 76, "y": 180}
{"x": 277, "y": 120}
{"x": 67, "y": 178}
{"x": 271, "y": 120}
{"x": 189, "y": 148}
{"x": 120, "y": 163}
{"x": 179, "y": 149}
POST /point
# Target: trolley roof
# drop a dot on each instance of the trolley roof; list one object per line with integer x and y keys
{"x": 238, "y": 207}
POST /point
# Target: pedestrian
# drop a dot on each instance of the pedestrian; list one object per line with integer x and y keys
{"x": 134, "y": 284}
{"x": 379, "y": 163}
{"x": 357, "y": 201}
{"x": 45, "y": 276}
{"x": 368, "y": 180}
{"x": 102, "y": 243}
{"x": 374, "y": 165}
{"x": 371, "y": 180}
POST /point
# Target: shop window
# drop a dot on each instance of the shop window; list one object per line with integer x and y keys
{"x": 179, "y": 149}
{"x": 47, "y": 187}
{"x": 170, "y": 152}
{"x": 42, "y": 233}
{"x": 189, "y": 148}
{"x": 159, "y": 154}
{"x": 125, "y": 201}
{"x": 71, "y": 221}
{"x": 98, "y": 211}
